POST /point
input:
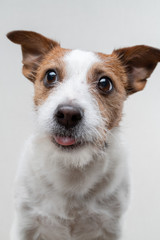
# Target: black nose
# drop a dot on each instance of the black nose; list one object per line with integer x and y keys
{"x": 68, "y": 115}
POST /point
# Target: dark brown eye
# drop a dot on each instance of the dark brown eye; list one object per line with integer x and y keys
{"x": 105, "y": 85}
{"x": 50, "y": 78}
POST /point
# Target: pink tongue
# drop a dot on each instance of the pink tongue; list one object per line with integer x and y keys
{"x": 65, "y": 141}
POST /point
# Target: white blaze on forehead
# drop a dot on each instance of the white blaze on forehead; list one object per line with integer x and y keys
{"x": 78, "y": 63}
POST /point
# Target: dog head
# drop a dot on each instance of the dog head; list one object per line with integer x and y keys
{"x": 79, "y": 95}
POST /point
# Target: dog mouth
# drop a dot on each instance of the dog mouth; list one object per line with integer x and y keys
{"x": 67, "y": 142}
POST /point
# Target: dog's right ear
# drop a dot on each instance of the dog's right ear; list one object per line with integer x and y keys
{"x": 34, "y": 47}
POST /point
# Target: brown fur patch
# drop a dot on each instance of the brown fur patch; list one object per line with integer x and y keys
{"x": 52, "y": 60}
{"x": 139, "y": 62}
{"x": 111, "y": 104}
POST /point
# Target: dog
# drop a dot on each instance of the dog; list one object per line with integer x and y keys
{"x": 73, "y": 182}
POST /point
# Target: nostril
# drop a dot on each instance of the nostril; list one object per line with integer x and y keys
{"x": 60, "y": 114}
{"x": 76, "y": 117}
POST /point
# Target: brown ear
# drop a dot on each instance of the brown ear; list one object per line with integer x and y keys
{"x": 34, "y": 47}
{"x": 139, "y": 62}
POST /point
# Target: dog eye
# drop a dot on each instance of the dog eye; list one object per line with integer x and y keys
{"x": 105, "y": 85}
{"x": 50, "y": 78}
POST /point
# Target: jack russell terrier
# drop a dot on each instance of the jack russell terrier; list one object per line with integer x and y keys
{"x": 72, "y": 182}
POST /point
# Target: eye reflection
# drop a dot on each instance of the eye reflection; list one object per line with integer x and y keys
{"x": 50, "y": 78}
{"x": 105, "y": 84}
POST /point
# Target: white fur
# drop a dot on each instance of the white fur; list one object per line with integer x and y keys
{"x": 57, "y": 192}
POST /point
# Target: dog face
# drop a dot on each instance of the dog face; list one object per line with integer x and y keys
{"x": 79, "y": 95}
{"x": 82, "y": 102}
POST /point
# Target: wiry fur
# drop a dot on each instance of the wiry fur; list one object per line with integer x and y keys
{"x": 56, "y": 201}
{"x": 77, "y": 193}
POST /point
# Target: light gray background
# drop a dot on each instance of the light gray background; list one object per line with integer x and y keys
{"x": 98, "y": 25}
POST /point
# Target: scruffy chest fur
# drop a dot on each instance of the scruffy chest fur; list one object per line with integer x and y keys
{"x": 71, "y": 203}
{"x": 72, "y": 182}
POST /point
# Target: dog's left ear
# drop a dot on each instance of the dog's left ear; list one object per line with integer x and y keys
{"x": 34, "y": 47}
{"x": 139, "y": 62}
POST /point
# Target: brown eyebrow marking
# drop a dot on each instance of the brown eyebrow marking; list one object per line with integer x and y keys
{"x": 54, "y": 59}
